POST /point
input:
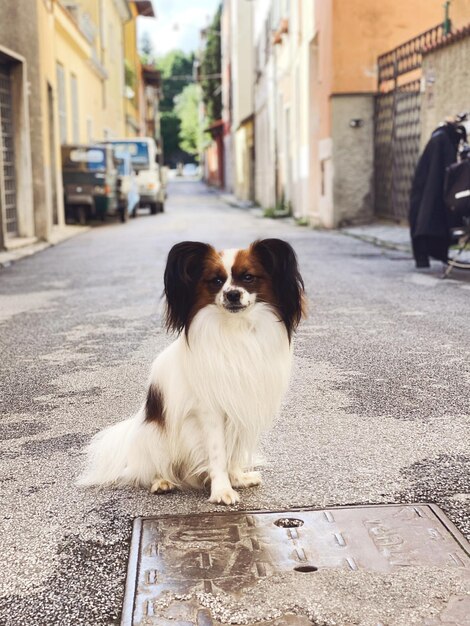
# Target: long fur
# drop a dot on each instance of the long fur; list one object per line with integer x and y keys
{"x": 227, "y": 372}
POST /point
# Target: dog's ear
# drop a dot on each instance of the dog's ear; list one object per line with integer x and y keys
{"x": 280, "y": 262}
{"x": 183, "y": 271}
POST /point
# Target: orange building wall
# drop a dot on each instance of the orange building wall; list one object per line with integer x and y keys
{"x": 460, "y": 13}
{"x": 364, "y": 29}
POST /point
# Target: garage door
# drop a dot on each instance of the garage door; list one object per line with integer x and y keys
{"x": 8, "y": 180}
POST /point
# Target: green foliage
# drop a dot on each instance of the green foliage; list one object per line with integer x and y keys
{"x": 187, "y": 109}
{"x": 282, "y": 209}
{"x": 170, "y": 128}
{"x": 175, "y": 63}
{"x": 211, "y": 64}
{"x": 129, "y": 74}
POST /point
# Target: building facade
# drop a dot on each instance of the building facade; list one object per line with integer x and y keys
{"x": 63, "y": 80}
{"x": 445, "y": 82}
{"x": 23, "y": 210}
{"x": 134, "y": 95}
{"x": 313, "y": 100}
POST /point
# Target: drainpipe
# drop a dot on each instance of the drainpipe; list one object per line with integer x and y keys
{"x": 447, "y": 24}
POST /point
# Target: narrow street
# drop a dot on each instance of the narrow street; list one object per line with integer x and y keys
{"x": 377, "y": 410}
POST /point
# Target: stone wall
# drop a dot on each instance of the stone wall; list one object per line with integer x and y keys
{"x": 353, "y": 158}
{"x": 19, "y": 38}
{"x": 445, "y": 84}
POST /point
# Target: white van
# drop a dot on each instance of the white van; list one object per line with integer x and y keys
{"x": 143, "y": 152}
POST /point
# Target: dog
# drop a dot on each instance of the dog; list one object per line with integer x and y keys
{"x": 220, "y": 383}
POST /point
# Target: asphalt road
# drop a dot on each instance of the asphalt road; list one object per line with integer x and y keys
{"x": 377, "y": 411}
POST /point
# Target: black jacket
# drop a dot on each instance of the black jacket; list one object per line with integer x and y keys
{"x": 429, "y": 223}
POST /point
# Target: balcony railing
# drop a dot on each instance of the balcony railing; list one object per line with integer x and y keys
{"x": 408, "y": 56}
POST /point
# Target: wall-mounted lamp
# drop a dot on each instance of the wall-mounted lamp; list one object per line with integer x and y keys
{"x": 356, "y": 123}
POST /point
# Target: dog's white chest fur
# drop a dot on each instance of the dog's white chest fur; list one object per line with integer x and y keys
{"x": 239, "y": 365}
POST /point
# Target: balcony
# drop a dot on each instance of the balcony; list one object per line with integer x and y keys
{"x": 83, "y": 20}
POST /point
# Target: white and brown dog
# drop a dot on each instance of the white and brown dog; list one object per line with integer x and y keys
{"x": 219, "y": 385}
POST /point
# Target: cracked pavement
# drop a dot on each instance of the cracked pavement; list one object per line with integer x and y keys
{"x": 377, "y": 410}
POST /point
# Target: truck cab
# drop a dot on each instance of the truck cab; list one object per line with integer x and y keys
{"x": 144, "y": 158}
{"x": 89, "y": 175}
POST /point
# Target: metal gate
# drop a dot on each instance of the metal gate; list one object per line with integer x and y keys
{"x": 7, "y": 139}
{"x": 397, "y": 124}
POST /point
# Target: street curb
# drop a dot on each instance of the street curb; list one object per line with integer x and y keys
{"x": 377, "y": 241}
{"x": 9, "y": 257}
{"x": 233, "y": 202}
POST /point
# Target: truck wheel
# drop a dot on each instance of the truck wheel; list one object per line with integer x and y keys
{"x": 153, "y": 208}
{"x": 80, "y": 215}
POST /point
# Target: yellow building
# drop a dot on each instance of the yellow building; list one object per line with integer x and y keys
{"x": 89, "y": 67}
{"x": 62, "y": 80}
{"x": 134, "y": 83}
{"x": 79, "y": 75}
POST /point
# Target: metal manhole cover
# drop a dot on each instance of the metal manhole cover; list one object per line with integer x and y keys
{"x": 175, "y": 559}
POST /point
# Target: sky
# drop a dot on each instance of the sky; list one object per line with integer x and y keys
{"x": 177, "y": 24}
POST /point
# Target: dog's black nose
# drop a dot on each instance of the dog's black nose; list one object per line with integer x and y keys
{"x": 233, "y": 296}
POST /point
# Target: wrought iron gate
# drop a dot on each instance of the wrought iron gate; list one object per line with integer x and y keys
{"x": 397, "y": 124}
{"x": 7, "y": 162}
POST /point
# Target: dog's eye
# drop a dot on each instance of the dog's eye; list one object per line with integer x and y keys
{"x": 217, "y": 281}
{"x": 248, "y": 278}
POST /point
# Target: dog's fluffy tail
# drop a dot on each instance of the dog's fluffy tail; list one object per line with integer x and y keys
{"x": 117, "y": 455}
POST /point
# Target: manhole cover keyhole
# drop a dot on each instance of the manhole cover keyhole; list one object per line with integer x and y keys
{"x": 288, "y": 522}
{"x": 306, "y": 568}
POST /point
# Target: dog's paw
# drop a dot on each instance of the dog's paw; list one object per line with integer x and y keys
{"x": 226, "y": 495}
{"x": 162, "y": 486}
{"x": 242, "y": 480}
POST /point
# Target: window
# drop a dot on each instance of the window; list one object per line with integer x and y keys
{"x": 74, "y": 102}
{"x": 61, "y": 103}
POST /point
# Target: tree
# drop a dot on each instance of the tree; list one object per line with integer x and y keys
{"x": 187, "y": 109}
{"x": 176, "y": 68}
{"x": 211, "y": 68}
{"x": 170, "y": 128}
{"x": 175, "y": 63}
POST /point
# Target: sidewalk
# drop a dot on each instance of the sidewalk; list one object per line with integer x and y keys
{"x": 383, "y": 234}
{"x": 23, "y": 247}
{"x": 232, "y": 200}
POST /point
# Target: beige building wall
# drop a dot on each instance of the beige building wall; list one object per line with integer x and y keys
{"x": 244, "y": 161}
{"x": 293, "y": 28}
{"x": 321, "y": 85}
{"x": 264, "y": 107}
{"x": 50, "y": 126}
{"x": 242, "y": 78}
{"x": 301, "y": 32}
{"x": 445, "y": 85}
